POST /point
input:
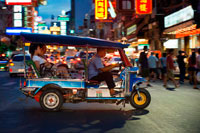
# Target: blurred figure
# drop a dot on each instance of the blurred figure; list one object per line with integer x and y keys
{"x": 159, "y": 76}
{"x": 198, "y": 61}
{"x": 152, "y": 62}
{"x": 143, "y": 61}
{"x": 181, "y": 65}
{"x": 163, "y": 62}
{"x": 171, "y": 67}
{"x": 192, "y": 70}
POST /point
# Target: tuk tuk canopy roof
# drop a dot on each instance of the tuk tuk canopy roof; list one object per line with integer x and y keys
{"x": 71, "y": 40}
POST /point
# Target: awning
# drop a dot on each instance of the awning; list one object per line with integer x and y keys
{"x": 71, "y": 40}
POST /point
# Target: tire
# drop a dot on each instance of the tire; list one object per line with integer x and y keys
{"x": 51, "y": 100}
{"x": 140, "y": 103}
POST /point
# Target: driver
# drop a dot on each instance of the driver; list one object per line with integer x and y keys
{"x": 37, "y": 51}
{"x": 97, "y": 71}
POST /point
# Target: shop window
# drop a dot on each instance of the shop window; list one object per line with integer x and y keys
{"x": 126, "y": 5}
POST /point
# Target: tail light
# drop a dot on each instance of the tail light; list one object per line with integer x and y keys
{"x": 24, "y": 83}
{"x": 78, "y": 59}
{"x": 12, "y": 64}
{"x": 10, "y": 69}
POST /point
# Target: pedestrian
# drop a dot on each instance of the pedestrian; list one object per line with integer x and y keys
{"x": 158, "y": 67}
{"x": 198, "y": 61}
{"x": 181, "y": 64}
{"x": 163, "y": 62}
{"x": 152, "y": 62}
{"x": 171, "y": 68}
{"x": 144, "y": 68}
{"x": 192, "y": 69}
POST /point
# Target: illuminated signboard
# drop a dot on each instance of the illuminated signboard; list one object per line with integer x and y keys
{"x": 18, "y": 2}
{"x": 143, "y": 6}
{"x": 54, "y": 28}
{"x": 179, "y": 16}
{"x": 17, "y": 31}
{"x": 101, "y": 10}
{"x": 131, "y": 29}
{"x": 63, "y": 18}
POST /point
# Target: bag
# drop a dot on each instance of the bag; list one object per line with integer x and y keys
{"x": 198, "y": 76}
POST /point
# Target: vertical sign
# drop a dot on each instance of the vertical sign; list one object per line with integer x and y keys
{"x": 101, "y": 9}
{"x": 143, "y": 6}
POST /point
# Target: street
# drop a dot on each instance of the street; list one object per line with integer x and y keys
{"x": 169, "y": 112}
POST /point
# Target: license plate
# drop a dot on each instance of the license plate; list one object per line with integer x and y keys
{"x": 20, "y": 70}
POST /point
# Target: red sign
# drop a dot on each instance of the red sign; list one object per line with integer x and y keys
{"x": 101, "y": 9}
{"x": 18, "y": 2}
{"x": 143, "y": 6}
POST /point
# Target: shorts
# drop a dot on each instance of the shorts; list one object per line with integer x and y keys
{"x": 145, "y": 72}
{"x": 164, "y": 70}
{"x": 153, "y": 70}
{"x": 170, "y": 74}
{"x": 192, "y": 69}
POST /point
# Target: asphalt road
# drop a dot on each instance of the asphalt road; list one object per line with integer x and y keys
{"x": 175, "y": 111}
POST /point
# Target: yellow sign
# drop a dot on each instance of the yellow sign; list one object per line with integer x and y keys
{"x": 27, "y": 44}
{"x": 54, "y": 28}
{"x": 101, "y": 9}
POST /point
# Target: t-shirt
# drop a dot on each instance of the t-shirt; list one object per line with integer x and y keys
{"x": 38, "y": 58}
{"x": 198, "y": 61}
{"x": 152, "y": 61}
{"x": 180, "y": 60}
{"x": 170, "y": 62}
{"x": 94, "y": 65}
{"x": 143, "y": 60}
{"x": 163, "y": 61}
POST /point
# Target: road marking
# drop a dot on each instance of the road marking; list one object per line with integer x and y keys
{"x": 9, "y": 84}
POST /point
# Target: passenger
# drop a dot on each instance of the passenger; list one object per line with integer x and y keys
{"x": 98, "y": 72}
{"x": 37, "y": 51}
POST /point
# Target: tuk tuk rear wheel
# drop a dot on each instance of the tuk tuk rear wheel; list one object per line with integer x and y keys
{"x": 51, "y": 100}
{"x": 140, "y": 102}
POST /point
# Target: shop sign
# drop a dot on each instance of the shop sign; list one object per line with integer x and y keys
{"x": 101, "y": 9}
{"x": 143, "y": 6}
{"x": 188, "y": 33}
{"x": 141, "y": 46}
{"x": 63, "y": 18}
{"x": 18, "y": 2}
{"x": 180, "y": 16}
{"x": 131, "y": 29}
{"x": 172, "y": 43}
{"x": 54, "y": 28}
{"x": 17, "y": 31}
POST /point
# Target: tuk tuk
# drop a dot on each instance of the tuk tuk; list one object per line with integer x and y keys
{"x": 52, "y": 92}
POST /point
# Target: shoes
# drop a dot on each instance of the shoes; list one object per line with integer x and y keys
{"x": 165, "y": 86}
{"x": 181, "y": 82}
{"x": 148, "y": 85}
{"x": 195, "y": 88}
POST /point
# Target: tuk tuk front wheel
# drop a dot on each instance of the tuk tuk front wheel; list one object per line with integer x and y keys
{"x": 142, "y": 101}
{"x": 51, "y": 100}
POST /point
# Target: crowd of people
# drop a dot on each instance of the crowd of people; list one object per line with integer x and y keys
{"x": 153, "y": 67}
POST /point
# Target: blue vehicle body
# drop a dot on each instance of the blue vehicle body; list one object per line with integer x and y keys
{"x": 129, "y": 79}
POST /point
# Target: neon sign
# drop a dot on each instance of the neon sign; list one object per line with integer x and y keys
{"x": 143, "y": 6}
{"x": 18, "y": 2}
{"x": 101, "y": 10}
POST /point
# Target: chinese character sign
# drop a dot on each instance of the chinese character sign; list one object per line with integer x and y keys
{"x": 143, "y": 6}
{"x": 101, "y": 9}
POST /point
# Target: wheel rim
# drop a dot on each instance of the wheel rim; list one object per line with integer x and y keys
{"x": 51, "y": 100}
{"x": 140, "y": 101}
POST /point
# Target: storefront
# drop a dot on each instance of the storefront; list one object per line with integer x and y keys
{"x": 181, "y": 27}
